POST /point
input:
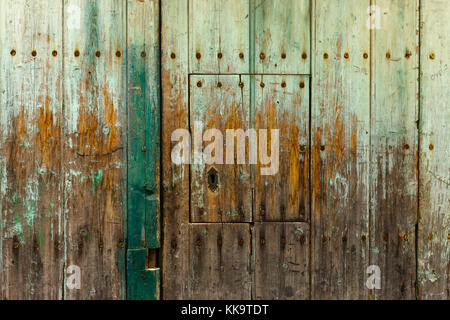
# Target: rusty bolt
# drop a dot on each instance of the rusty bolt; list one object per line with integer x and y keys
{"x": 407, "y": 54}
{"x": 405, "y": 237}
{"x": 363, "y": 237}
{"x": 346, "y": 55}
{"x": 302, "y": 212}
{"x": 13, "y": 52}
{"x": 80, "y": 244}
{"x": 241, "y": 84}
{"x": 98, "y": 54}
{"x": 283, "y": 240}
{"x": 432, "y": 56}
{"x": 241, "y": 242}
{"x": 262, "y": 241}
{"x": 283, "y": 55}
{"x": 121, "y": 244}
{"x": 388, "y": 55}
{"x": 219, "y": 84}
{"x": 57, "y": 245}
{"x": 406, "y": 146}
{"x": 118, "y": 54}
{"x": 36, "y": 245}
{"x": 302, "y": 239}
{"x": 262, "y": 56}
{"x": 324, "y": 239}
{"x": 302, "y": 84}
{"x": 322, "y": 148}
{"x": 143, "y": 276}
{"x": 431, "y": 146}
{"x": 54, "y": 53}
{"x": 241, "y": 55}
{"x": 144, "y": 54}
{"x": 16, "y": 245}
{"x": 304, "y": 55}
{"x": 198, "y": 243}
{"x": 325, "y": 55}
{"x": 198, "y": 55}
{"x": 77, "y": 53}
{"x": 262, "y": 211}
{"x": 173, "y": 55}
{"x": 219, "y": 55}
{"x": 34, "y": 53}
{"x": 365, "y": 55}
{"x": 262, "y": 84}
{"x": 173, "y": 244}
{"x": 219, "y": 242}
{"x": 199, "y": 84}
{"x": 283, "y": 84}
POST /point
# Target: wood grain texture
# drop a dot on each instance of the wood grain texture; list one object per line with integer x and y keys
{"x": 94, "y": 145}
{"x": 394, "y": 147}
{"x": 175, "y": 115}
{"x": 282, "y": 103}
{"x": 219, "y": 261}
{"x": 282, "y": 36}
{"x": 281, "y": 261}
{"x": 143, "y": 107}
{"x": 340, "y": 150}
{"x": 434, "y": 224}
{"x": 219, "y": 36}
{"x": 219, "y": 102}
{"x": 30, "y": 158}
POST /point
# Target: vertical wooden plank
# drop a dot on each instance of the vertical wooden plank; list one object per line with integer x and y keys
{"x": 143, "y": 96}
{"x": 175, "y": 178}
{"x": 282, "y": 103}
{"x": 94, "y": 144}
{"x": 281, "y": 261}
{"x": 219, "y": 261}
{"x": 221, "y": 103}
{"x": 30, "y": 142}
{"x": 282, "y": 36}
{"x": 219, "y": 36}
{"x": 434, "y": 208}
{"x": 394, "y": 147}
{"x": 340, "y": 150}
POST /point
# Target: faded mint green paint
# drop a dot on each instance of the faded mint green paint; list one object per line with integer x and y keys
{"x": 144, "y": 143}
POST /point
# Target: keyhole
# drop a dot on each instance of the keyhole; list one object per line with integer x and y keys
{"x": 213, "y": 179}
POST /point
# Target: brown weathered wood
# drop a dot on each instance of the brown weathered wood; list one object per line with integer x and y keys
{"x": 282, "y": 102}
{"x": 281, "y": 260}
{"x": 221, "y": 103}
{"x": 30, "y": 158}
{"x": 394, "y": 148}
{"x": 94, "y": 144}
{"x": 282, "y": 36}
{"x": 340, "y": 149}
{"x": 219, "y": 261}
{"x": 434, "y": 212}
{"x": 175, "y": 178}
{"x": 219, "y": 36}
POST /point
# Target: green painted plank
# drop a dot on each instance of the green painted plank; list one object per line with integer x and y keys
{"x": 394, "y": 148}
{"x": 143, "y": 98}
{"x": 340, "y": 125}
{"x": 175, "y": 115}
{"x": 218, "y": 36}
{"x": 30, "y": 140}
{"x": 434, "y": 207}
{"x": 282, "y": 36}
{"x": 142, "y": 283}
{"x": 95, "y": 145}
